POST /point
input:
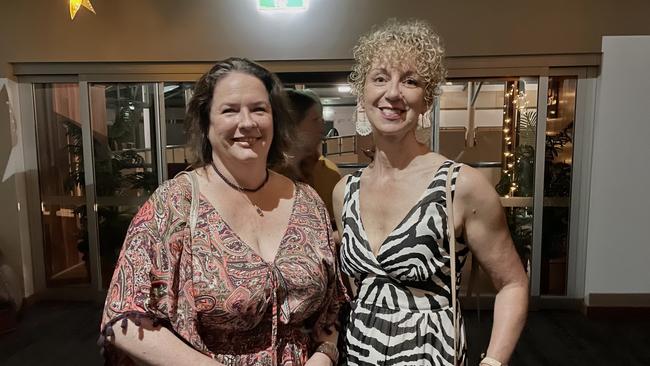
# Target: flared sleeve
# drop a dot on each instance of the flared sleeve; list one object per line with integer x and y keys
{"x": 151, "y": 279}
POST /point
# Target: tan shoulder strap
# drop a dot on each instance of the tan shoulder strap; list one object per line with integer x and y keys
{"x": 194, "y": 205}
{"x": 452, "y": 255}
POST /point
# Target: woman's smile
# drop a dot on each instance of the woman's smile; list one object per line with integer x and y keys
{"x": 392, "y": 114}
{"x": 245, "y": 141}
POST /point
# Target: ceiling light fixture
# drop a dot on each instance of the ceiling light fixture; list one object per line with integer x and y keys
{"x": 344, "y": 88}
{"x": 75, "y": 5}
{"x": 282, "y": 5}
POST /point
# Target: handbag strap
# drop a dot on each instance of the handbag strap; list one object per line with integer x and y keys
{"x": 194, "y": 205}
{"x": 452, "y": 254}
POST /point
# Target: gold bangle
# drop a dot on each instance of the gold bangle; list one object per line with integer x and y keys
{"x": 330, "y": 350}
{"x": 490, "y": 362}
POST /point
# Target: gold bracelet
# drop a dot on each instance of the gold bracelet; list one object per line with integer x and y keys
{"x": 330, "y": 350}
{"x": 490, "y": 362}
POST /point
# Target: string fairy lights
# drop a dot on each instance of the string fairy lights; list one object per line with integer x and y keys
{"x": 515, "y": 102}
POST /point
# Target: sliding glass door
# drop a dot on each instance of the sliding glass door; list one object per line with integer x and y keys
{"x": 124, "y": 157}
{"x": 490, "y": 124}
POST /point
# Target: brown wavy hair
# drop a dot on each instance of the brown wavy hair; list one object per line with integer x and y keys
{"x": 396, "y": 42}
{"x": 197, "y": 118}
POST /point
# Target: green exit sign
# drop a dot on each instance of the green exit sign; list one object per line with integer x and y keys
{"x": 281, "y": 4}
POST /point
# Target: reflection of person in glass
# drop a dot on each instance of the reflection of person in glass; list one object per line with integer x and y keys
{"x": 393, "y": 214}
{"x": 306, "y": 163}
{"x": 230, "y": 263}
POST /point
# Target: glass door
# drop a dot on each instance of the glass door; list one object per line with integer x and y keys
{"x": 558, "y": 174}
{"x": 61, "y": 184}
{"x": 125, "y": 155}
{"x": 491, "y": 124}
{"x": 176, "y": 99}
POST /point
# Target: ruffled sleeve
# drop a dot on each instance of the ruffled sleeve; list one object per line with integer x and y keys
{"x": 148, "y": 279}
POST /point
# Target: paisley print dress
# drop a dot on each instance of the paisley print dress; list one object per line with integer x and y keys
{"x": 214, "y": 292}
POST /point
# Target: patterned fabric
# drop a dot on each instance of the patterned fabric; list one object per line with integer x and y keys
{"x": 402, "y": 313}
{"x": 214, "y": 292}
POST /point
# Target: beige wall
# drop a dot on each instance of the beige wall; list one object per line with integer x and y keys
{"x": 205, "y": 30}
{"x": 618, "y": 244}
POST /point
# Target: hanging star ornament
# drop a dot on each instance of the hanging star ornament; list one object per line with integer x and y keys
{"x": 75, "y": 5}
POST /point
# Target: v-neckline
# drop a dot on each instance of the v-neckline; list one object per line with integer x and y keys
{"x": 408, "y": 214}
{"x": 296, "y": 192}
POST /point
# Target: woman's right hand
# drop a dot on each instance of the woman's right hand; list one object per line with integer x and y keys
{"x": 146, "y": 344}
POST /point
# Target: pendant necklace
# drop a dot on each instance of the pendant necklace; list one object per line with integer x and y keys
{"x": 243, "y": 190}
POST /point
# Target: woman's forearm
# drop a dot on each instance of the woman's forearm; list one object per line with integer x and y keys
{"x": 149, "y": 345}
{"x": 319, "y": 358}
{"x": 510, "y": 310}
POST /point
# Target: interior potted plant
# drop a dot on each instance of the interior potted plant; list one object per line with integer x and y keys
{"x": 117, "y": 172}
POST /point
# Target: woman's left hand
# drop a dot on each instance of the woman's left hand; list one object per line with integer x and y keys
{"x": 319, "y": 359}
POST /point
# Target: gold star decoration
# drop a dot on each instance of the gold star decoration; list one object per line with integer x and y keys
{"x": 75, "y": 5}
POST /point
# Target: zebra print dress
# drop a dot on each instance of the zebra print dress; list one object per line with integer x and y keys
{"x": 402, "y": 313}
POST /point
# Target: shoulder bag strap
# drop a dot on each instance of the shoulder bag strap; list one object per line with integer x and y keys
{"x": 194, "y": 205}
{"x": 452, "y": 255}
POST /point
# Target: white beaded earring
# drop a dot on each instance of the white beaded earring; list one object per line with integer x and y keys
{"x": 424, "y": 120}
{"x": 361, "y": 121}
{"x": 423, "y": 129}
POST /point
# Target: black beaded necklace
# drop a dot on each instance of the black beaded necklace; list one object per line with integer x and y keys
{"x": 234, "y": 186}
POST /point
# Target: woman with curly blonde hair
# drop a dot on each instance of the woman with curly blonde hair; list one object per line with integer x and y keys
{"x": 410, "y": 218}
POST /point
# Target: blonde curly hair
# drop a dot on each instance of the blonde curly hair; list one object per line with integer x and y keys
{"x": 395, "y": 43}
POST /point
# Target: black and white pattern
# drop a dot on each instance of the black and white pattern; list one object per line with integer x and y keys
{"x": 402, "y": 313}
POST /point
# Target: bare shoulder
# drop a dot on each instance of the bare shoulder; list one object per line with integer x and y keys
{"x": 339, "y": 189}
{"x": 473, "y": 188}
{"x": 180, "y": 185}
{"x": 337, "y": 200}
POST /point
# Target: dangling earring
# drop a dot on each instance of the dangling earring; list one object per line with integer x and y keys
{"x": 423, "y": 129}
{"x": 362, "y": 124}
{"x": 424, "y": 120}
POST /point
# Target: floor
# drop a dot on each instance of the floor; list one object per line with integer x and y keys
{"x": 65, "y": 333}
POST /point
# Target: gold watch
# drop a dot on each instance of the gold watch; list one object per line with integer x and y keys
{"x": 330, "y": 350}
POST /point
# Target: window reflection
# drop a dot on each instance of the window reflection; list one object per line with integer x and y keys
{"x": 124, "y": 149}
{"x": 61, "y": 184}
{"x": 491, "y": 124}
{"x": 177, "y": 154}
{"x": 558, "y": 169}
